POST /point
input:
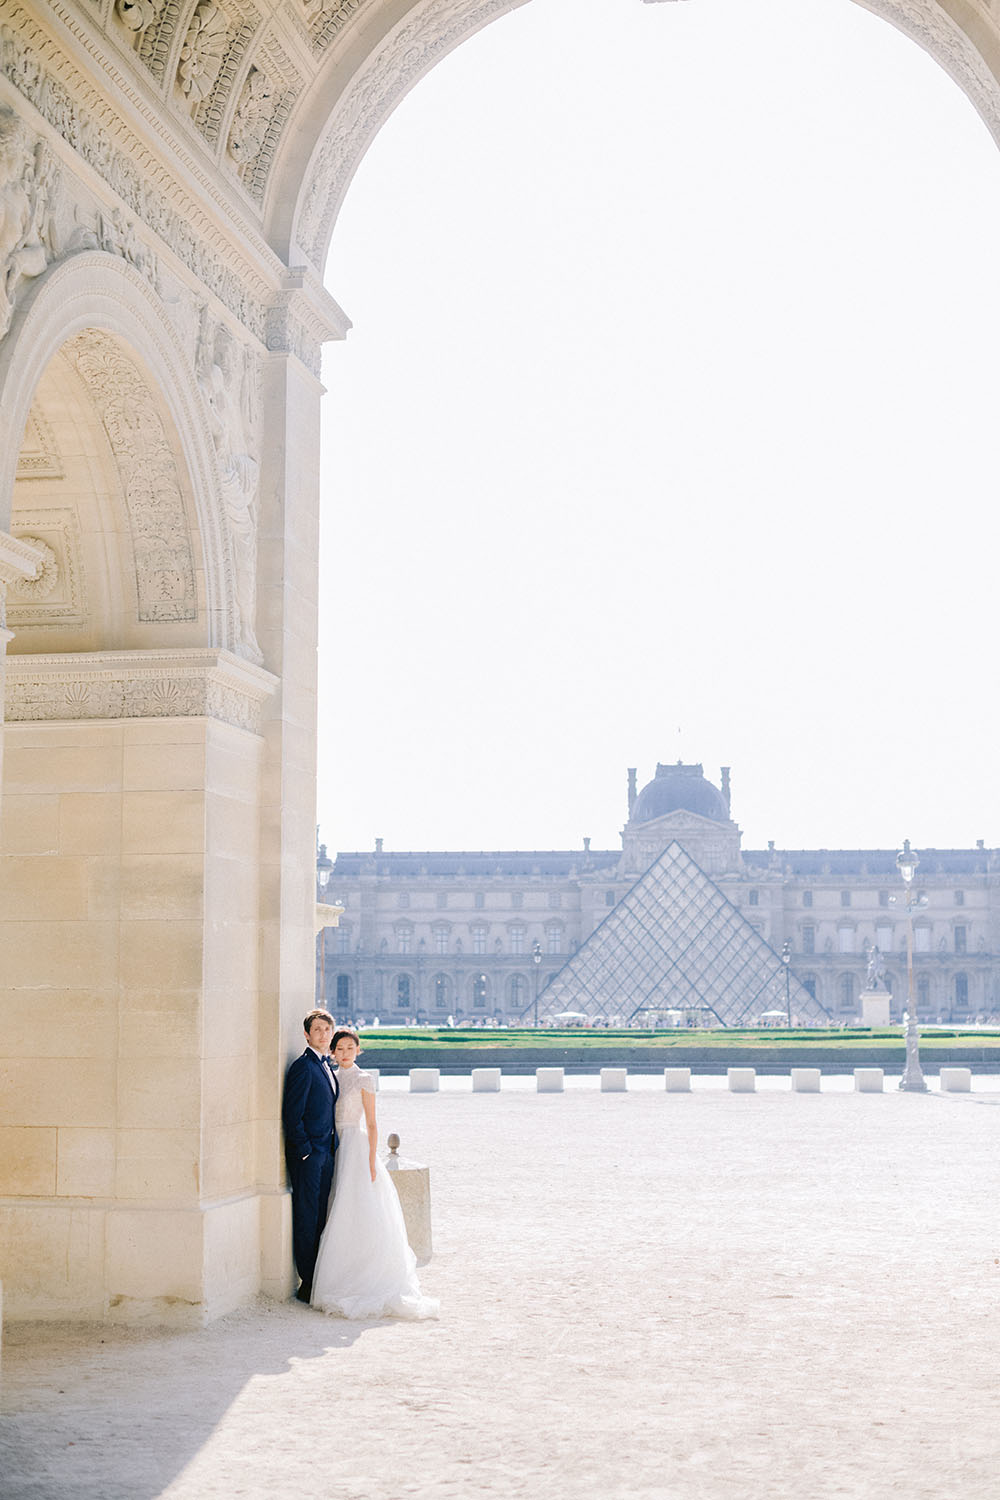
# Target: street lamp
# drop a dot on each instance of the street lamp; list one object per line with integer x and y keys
{"x": 536, "y": 959}
{"x": 786, "y": 959}
{"x": 913, "y": 1079}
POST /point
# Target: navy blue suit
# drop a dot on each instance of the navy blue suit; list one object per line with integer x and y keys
{"x": 310, "y": 1141}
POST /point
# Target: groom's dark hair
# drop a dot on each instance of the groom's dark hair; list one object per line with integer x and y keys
{"x": 317, "y": 1015}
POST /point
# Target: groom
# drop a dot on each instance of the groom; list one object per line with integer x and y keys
{"x": 310, "y": 1141}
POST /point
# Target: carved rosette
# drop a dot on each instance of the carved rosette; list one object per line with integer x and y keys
{"x": 161, "y": 543}
{"x": 208, "y": 683}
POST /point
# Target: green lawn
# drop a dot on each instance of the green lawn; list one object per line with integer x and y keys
{"x": 412, "y": 1038}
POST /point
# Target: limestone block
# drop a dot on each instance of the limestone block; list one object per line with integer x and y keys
{"x": 27, "y": 1161}
{"x": 276, "y": 1267}
{"x": 53, "y": 1261}
{"x": 163, "y": 822}
{"x": 163, "y": 886}
{"x": 614, "y": 1080}
{"x": 57, "y": 1091}
{"x": 230, "y": 957}
{"x": 153, "y": 1256}
{"x": 549, "y": 1080}
{"x": 805, "y": 1080}
{"x": 94, "y": 1026}
{"x": 86, "y": 1163}
{"x": 85, "y": 766}
{"x": 228, "y": 1164}
{"x": 232, "y": 831}
{"x": 30, "y": 824}
{"x": 60, "y": 955}
{"x": 233, "y": 761}
{"x": 869, "y": 1080}
{"x": 158, "y": 1164}
{"x": 486, "y": 1080}
{"x": 159, "y": 767}
{"x": 229, "y": 1087}
{"x": 677, "y": 1080}
{"x": 413, "y": 1185}
{"x": 232, "y": 1246}
{"x": 33, "y": 884}
{"x": 160, "y": 1025}
{"x": 159, "y": 1093}
{"x": 425, "y": 1080}
{"x": 956, "y": 1080}
{"x": 166, "y": 953}
{"x": 742, "y": 1080}
{"x": 89, "y": 823}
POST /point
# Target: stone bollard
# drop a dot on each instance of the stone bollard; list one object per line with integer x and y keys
{"x": 486, "y": 1080}
{"x": 956, "y": 1080}
{"x": 868, "y": 1080}
{"x": 742, "y": 1080}
{"x": 677, "y": 1080}
{"x": 614, "y": 1080}
{"x": 805, "y": 1080}
{"x": 549, "y": 1080}
{"x": 413, "y": 1187}
{"x": 425, "y": 1080}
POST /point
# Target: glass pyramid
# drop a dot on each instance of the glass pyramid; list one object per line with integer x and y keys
{"x": 675, "y": 942}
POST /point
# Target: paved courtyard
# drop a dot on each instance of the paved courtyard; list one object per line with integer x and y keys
{"x": 686, "y": 1296}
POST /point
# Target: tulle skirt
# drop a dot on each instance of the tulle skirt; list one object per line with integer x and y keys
{"x": 365, "y": 1268}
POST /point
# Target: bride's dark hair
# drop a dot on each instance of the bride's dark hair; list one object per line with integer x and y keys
{"x": 343, "y": 1031}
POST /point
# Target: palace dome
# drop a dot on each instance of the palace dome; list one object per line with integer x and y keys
{"x": 679, "y": 788}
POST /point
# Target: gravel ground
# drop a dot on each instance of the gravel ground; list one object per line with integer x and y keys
{"x": 687, "y": 1296}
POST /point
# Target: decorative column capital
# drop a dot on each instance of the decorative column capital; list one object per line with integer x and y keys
{"x": 17, "y": 560}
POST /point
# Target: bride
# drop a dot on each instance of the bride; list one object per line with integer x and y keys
{"x": 365, "y": 1268}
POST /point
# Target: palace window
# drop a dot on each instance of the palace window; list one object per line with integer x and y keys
{"x": 959, "y": 898}
{"x": 883, "y": 939}
{"x": 479, "y": 987}
{"x": 807, "y": 898}
{"x": 343, "y": 992}
{"x": 845, "y": 898}
{"x": 518, "y": 991}
{"x": 442, "y": 992}
{"x": 924, "y": 992}
{"x": 403, "y": 899}
{"x": 479, "y": 939}
{"x": 961, "y": 940}
{"x": 754, "y": 898}
{"x": 555, "y": 898}
{"x": 517, "y": 940}
{"x": 809, "y": 938}
{"x": 961, "y": 991}
{"x": 440, "y": 940}
{"x": 404, "y": 939}
{"x": 403, "y": 992}
{"x": 883, "y": 898}
{"x": 809, "y": 984}
{"x": 441, "y": 900}
{"x": 609, "y": 898}
{"x": 343, "y": 940}
{"x": 517, "y": 899}
{"x": 922, "y": 939}
{"x": 553, "y": 939}
{"x": 847, "y": 991}
{"x": 479, "y": 901}
{"x": 845, "y": 939}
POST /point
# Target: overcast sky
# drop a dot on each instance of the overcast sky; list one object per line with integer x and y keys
{"x": 666, "y": 428}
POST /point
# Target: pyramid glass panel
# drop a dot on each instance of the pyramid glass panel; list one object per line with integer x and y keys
{"x": 676, "y": 942}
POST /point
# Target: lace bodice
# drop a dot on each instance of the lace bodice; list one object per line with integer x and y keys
{"x": 353, "y": 1083}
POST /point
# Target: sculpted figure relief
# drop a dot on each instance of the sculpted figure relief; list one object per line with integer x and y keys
{"x": 24, "y": 191}
{"x": 227, "y": 379}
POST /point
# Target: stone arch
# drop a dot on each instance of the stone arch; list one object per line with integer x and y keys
{"x": 320, "y": 159}
{"x": 92, "y": 336}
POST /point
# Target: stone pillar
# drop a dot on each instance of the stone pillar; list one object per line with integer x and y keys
{"x": 129, "y": 896}
{"x": 17, "y": 560}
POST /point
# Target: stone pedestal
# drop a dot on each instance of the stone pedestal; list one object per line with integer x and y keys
{"x": 614, "y": 1080}
{"x": 875, "y": 1008}
{"x": 742, "y": 1080}
{"x": 677, "y": 1080}
{"x": 413, "y": 1186}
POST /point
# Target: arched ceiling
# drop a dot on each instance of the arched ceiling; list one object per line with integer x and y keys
{"x": 262, "y": 109}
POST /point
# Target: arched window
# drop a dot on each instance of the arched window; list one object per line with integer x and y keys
{"x": 403, "y": 992}
{"x": 809, "y": 984}
{"x": 517, "y": 992}
{"x": 924, "y": 992}
{"x": 480, "y": 986}
{"x": 442, "y": 992}
{"x": 847, "y": 991}
{"x": 343, "y": 993}
{"x": 961, "y": 991}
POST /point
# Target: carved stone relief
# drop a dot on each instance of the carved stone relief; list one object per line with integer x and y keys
{"x": 161, "y": 543}
{"x": 39, "y": 457}
{"x": 228, "y": 377}
{"x": 56, "y": 597}
{"x": 26, "y": 181}
{"x": 266, "y": 101}
{"x": 137, "y": 685}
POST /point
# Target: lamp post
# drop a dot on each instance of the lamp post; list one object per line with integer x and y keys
{"x": 786, "y": 959}
{"x": 536, "y": 959}
{"x": 324, "y": 869}
{"x": 913, "y": 1079}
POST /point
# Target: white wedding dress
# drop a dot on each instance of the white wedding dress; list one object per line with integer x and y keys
{"x": 365, "y": 1268}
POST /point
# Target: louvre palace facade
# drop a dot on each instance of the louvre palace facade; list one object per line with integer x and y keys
{"x": 428, "y": 935}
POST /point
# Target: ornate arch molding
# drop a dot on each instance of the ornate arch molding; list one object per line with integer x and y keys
{"x": 85, "y": 305}
{"x": 433, "y": 28}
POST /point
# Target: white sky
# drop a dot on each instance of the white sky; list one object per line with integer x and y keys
{"x": 666, "y": 428}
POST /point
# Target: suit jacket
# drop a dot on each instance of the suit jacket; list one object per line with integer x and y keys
{"x": 307, "y": 1108}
